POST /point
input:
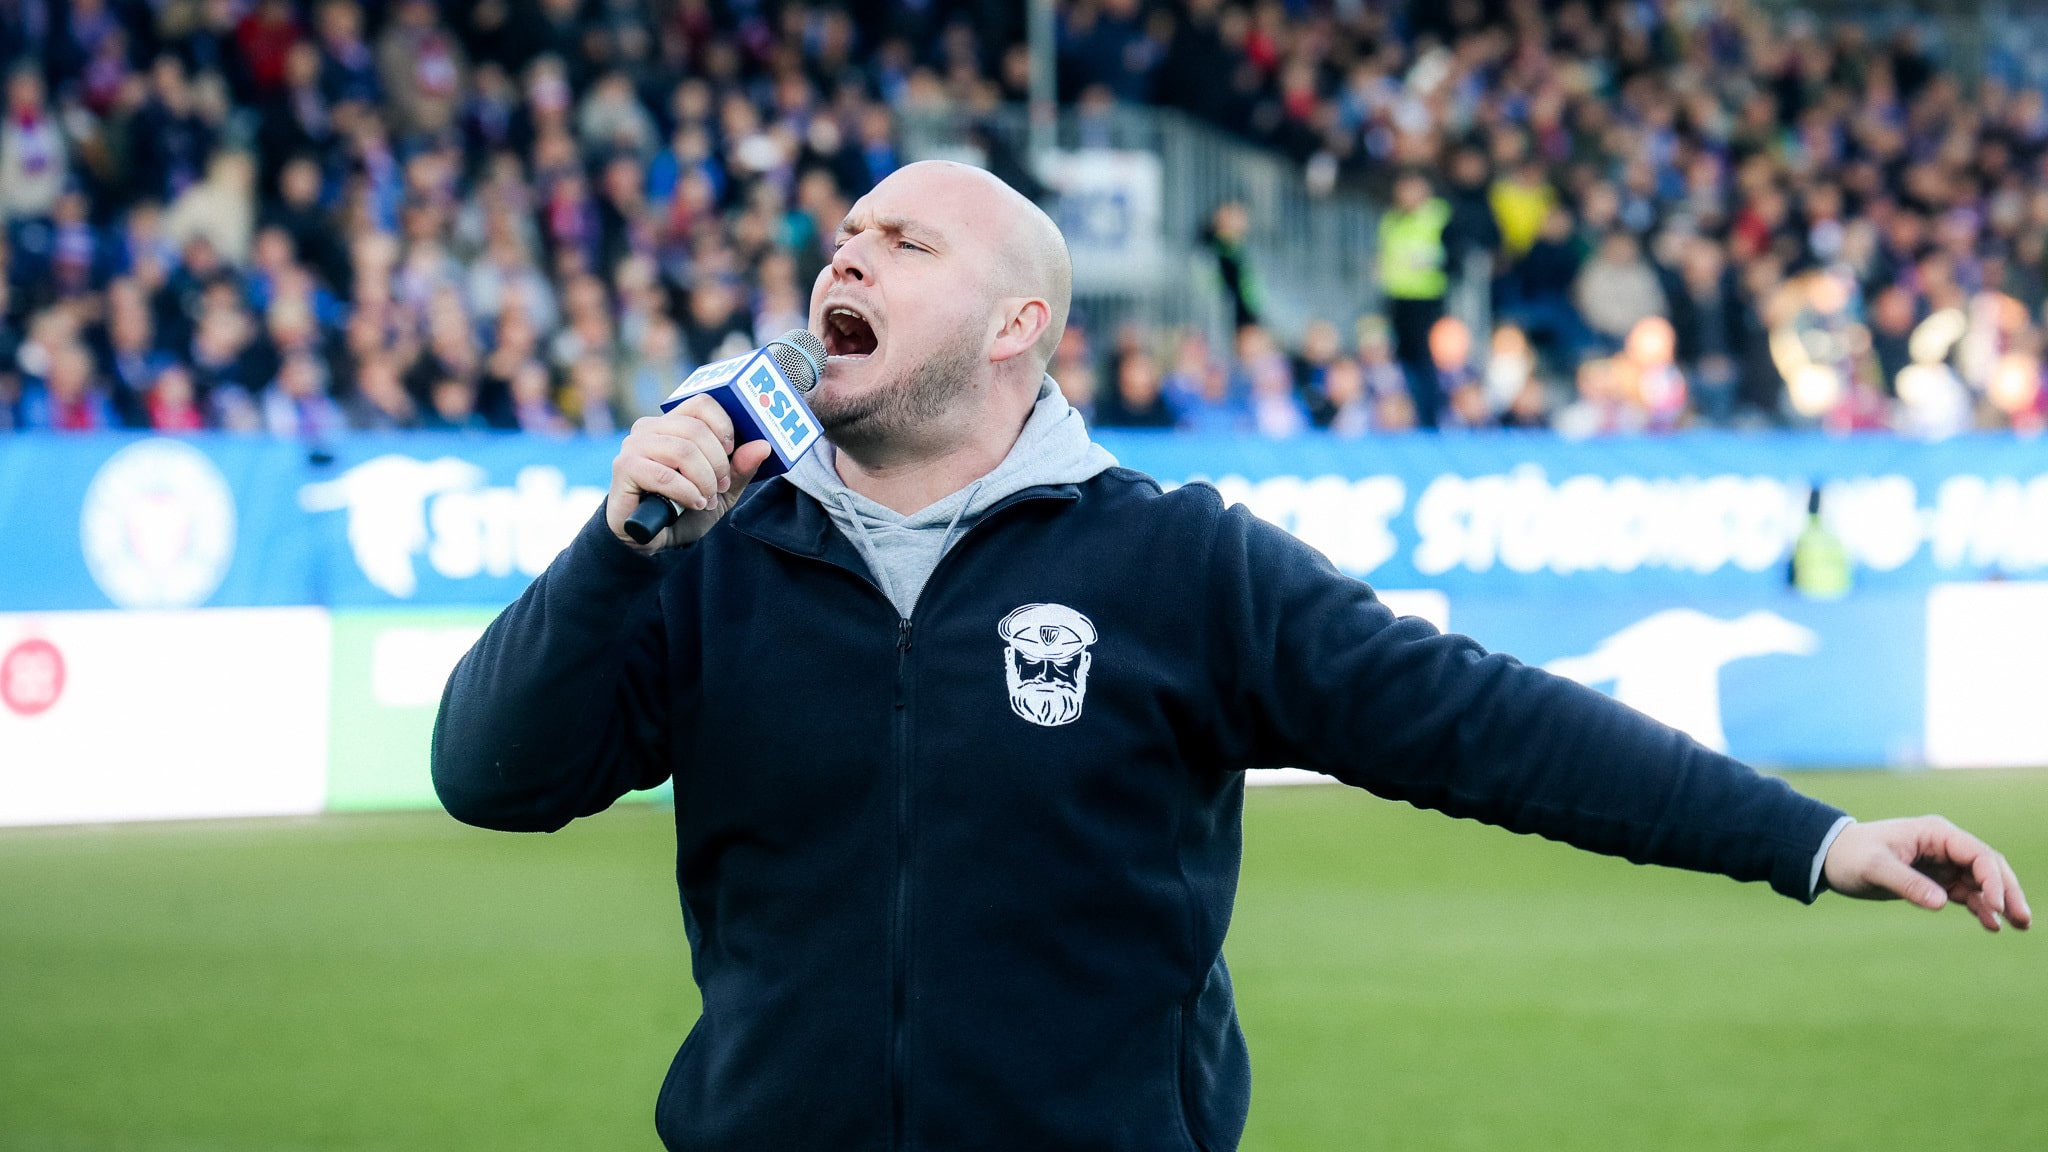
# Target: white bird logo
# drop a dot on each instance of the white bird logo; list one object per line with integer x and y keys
{"x": 1668, "y": 666}
{"x": 386, "y": 499}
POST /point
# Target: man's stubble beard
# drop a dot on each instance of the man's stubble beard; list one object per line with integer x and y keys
{"x": 884, "y": 416}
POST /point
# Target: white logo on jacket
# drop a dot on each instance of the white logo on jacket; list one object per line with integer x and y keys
{"x": 1045, "y": 661}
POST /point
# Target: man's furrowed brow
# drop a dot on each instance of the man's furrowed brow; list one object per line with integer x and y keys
{"x": 895, "y": 226}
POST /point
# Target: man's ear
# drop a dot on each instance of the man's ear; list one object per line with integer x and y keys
{"x": 1024, "y": 320}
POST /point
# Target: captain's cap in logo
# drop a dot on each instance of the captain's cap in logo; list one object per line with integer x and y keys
{"x": 158, "y": 527}
{"x": 1047, "y": 632}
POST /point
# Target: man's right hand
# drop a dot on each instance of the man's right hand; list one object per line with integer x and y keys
{"x": 685, "y": 454}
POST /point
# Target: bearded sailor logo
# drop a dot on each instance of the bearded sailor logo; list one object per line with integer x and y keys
{"x": 1045, "y": 660}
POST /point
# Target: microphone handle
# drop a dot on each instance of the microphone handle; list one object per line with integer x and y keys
{"x": 651, "y": 518}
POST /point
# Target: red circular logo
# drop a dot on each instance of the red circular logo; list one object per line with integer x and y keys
{"x": 31, "y": 677}
{"x": 761, "y": 400}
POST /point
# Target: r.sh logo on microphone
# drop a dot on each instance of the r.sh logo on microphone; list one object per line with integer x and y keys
{"x": 782, "y": 410}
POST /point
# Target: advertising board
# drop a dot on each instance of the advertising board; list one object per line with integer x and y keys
{"x": 153, "y": 715}
{"x": 219, "y": 625}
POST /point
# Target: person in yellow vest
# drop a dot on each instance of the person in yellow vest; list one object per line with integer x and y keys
{"x": 1820, "y": 561}
{"x": 1413, "y": 279}
{"x": 1521, "y": 200}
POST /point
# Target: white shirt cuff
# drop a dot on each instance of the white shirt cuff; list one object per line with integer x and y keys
{"x": 1820, "y": 858}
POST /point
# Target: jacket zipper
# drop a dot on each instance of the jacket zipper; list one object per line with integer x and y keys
{"x": 899, "y": 963}
{"x": 899, "y": 958}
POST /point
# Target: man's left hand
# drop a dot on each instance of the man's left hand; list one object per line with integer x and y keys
{"x": 1930, "y": 862}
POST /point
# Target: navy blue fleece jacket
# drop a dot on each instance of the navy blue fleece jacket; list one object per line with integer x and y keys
{"x": 961, "y": 880}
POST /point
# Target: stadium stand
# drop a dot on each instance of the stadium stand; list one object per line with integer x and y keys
{"x": 304, "y": 218}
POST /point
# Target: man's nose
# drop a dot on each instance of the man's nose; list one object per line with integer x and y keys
{"x": 850, "y": 262}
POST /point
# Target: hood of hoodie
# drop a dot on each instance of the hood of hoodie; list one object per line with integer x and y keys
{"x": 901, "y": 550}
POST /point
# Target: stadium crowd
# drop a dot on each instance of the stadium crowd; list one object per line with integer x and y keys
{"x": 303, "y": 216}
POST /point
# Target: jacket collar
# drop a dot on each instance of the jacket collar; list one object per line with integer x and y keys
{"x": 783, "y": 516}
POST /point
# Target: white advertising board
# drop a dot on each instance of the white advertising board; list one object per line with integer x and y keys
{"x": 1986, "y": 683}
{"x": 162, "y": 715}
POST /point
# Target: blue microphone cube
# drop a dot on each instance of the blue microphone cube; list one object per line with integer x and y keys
{"x": 762, "y": 404}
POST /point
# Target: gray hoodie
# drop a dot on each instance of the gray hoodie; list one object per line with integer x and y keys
{"x": 901, "y": 551}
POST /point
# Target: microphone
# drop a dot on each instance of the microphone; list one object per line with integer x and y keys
{"x": 763, "y": 393}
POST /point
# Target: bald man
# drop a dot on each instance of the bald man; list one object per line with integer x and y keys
{"x": 958, "y": 714}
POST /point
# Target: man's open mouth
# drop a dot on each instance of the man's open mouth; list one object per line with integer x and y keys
{"x": 848, "y": 333}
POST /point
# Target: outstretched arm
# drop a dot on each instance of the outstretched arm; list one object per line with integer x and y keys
{"x": 1333, "y": 681}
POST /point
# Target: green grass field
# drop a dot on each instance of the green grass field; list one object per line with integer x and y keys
{"x": 1407, "y": 982}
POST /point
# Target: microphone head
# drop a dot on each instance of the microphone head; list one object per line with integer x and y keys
{"x": 800, "y": 355}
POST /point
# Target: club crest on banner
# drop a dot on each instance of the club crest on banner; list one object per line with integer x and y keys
{"x": 1045, "y": 662}
{"x": 158, "y": 526}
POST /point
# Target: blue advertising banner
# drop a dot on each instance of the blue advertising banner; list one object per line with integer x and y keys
{"x": 1652, "y": 569}
{"x": 441, "y": 520}
{"x": 1699, "y": 514}
{"x": 132, "y": 521}
{"x": 448, "y": 519}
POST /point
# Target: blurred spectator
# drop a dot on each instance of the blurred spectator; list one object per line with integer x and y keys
{"x": 379, "y": 402}
{"x": 348, "y": 71}
{"x": 1530, "y": 409}
{"x": 1393, "y": 412}
{"x": 611, "y": 119}
{"x": 1603, "y": 407}
{"x": 1617, "y": 288}
{"x": 1649, "y": 376}
{"x": 1138, "y": 400}
{"x": 169, "y": 141}
{"x": 1706, "y": 319}
{"x": 1536, "y": 291}
{"x": 1376, "y": 358}
{"x": 1891, "y": 330}
{"x": 1320, "y": 348}
{"x": 1522, "y": 200}
{"x": 1412, "y": 275}
{"x": 264, "y": 41}
{"x": 173, "y": 403}
{"x": 1513, "y": 389}
{"x": 218, "y": 209}
{"x": 1472, "y": 228}
{"x": 421, "y": 70}
{"x": 1228, "y": 235}
{"x": 1820, "y": 567}
{"x": 129, "y": 350}
{"x": 656, "y": 368}
{"x": 1265, "y": 382}
{"x": 714, "y": 328}
{"x": 1191, "y": 364}
{"x": 67, "y": 399}
{"x": 590, "y": 395}
{"x": 297, "y": 404}
{"x": 1935, "y": 403}
{"x": 32, "y": 149}
{"x": 1460, "y": 395}
{"x": 1205, "y": 394}
{"x": 451, "y": 406}
{"x": 533, "y": 405}
{"x": 1350, "y": 406}
{"x": 1073, "y": 366}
